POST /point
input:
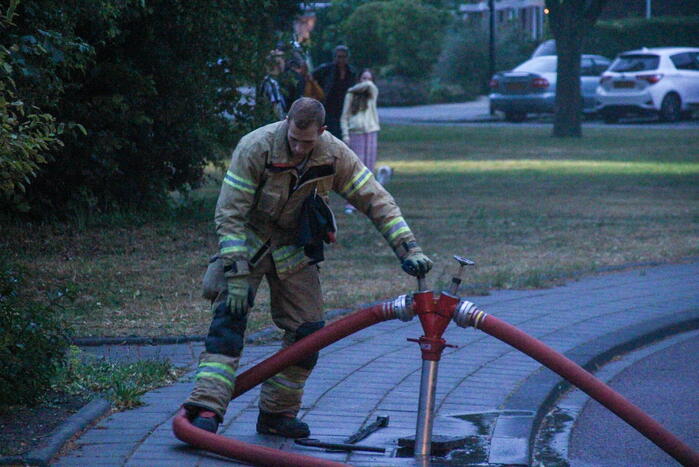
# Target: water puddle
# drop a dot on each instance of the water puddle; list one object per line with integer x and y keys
{"x": 471, "y": 447}
{"x": 551, "y": 442}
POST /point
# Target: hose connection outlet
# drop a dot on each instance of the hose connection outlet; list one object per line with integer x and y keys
{"x": 400, "y": 308}
{"x": 467, "y": 314}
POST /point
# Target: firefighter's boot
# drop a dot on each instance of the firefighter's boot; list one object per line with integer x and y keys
{"x": 206, "y": 420}
{"x": 285, "y": 425}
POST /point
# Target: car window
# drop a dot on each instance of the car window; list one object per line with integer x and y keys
{"x": 635, "y": 62}
{"x": 587, "y": 67}
{"x": 685, "y": 61}
{"x": 601, "y": 66}
{"x": 545, "y": 64}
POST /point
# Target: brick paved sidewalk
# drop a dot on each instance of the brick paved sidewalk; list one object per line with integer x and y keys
{"x": 377, "y": 372}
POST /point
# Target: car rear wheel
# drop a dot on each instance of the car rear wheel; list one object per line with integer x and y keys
{"x": 671, "y": 108}
{"x": 515, "y": 117}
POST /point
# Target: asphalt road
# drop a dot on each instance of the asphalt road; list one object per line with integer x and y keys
{"x": 665, "y": 384}
{"x": 477, "y": 113}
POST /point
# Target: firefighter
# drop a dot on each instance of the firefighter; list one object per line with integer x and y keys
{"x": 280, "y": 176}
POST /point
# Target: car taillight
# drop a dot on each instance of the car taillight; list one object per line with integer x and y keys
{"x": 493, "y": 83}
{"x": 652, "y": 79}
{"x": 605, "y": 79}
{"x": 540, "y": 83}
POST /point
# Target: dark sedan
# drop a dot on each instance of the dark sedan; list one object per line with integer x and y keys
{"x": 531, "y": 86}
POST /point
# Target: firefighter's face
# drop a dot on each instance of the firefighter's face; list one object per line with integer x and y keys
{"x": 302, "y": 141}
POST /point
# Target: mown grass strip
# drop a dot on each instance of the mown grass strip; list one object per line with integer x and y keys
{"x": 550, "y": 167}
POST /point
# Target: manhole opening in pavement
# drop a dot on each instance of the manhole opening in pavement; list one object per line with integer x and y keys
{"x": 470, "y": 449}
{"x": 442, "y": 446}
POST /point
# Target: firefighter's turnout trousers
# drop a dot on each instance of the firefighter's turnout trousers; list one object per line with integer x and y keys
{"x": 297, "y": 308}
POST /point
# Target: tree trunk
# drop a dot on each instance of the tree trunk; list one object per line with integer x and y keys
{"x": 569, "y": 35}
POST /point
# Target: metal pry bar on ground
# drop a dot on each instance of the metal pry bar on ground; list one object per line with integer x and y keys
{"x": 380, "y": 422}
{"x": 312, "y": 442}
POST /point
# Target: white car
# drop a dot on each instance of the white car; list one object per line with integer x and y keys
{"x": 661, "y": 81}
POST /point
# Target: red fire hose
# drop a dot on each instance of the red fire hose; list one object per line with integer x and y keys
{"x": 605, "y": 395}
{"x": 246, "y": 452}
{"x": 259, "y": 455}
{"x": 467, "y": 315}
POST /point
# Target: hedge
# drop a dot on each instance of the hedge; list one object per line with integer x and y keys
{"x": 609, "y": 38}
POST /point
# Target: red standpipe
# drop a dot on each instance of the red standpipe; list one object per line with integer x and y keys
{"x": 259, "y": 455}
{"x": 434, "y": 316}
{"x": 581, "y": 378}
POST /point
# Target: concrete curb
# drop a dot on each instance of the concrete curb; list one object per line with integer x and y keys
{"x": 74, "y": 424}
{"x": 272, "y": 332}
{"x": 540, "y": 391}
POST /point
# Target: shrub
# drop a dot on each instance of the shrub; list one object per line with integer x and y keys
{"x": 399, "y": 90}
{"x": 33, "y": 341}
{"x": 122, "y": 383}
{"x": 450, "y": 92}
{"x": 613, "y": 37}
{"x": 403, "y": 90}
{"x": 465, "y": 57}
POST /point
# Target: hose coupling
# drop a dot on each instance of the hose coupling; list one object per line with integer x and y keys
{"x": 467, "y": 314}
{"x": 400, "y": 307}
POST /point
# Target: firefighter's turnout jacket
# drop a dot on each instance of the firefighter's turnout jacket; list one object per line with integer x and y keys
{"x": 262, "y": 195}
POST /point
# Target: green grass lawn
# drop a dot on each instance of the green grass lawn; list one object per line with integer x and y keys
{"x": 529, "y": 209}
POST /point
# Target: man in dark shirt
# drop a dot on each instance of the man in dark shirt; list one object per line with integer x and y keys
{"x": 335, "y": 78}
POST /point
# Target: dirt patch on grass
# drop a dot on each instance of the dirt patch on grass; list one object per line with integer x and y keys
{"x": 23, "y": 429}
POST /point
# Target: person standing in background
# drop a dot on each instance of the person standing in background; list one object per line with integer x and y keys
{"x": 269, "y": 89}
{"x": 311, "y": 88}
{"x": 335, "y": 78}
{"x": 360, "y": 121}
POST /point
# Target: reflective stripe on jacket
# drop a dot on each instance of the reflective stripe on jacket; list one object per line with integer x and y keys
{"x": 262, "y": 195}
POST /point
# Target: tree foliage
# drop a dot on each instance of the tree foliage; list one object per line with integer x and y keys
{"x": 26, "y": 134}
{"x": 328, "y": 30}
{"x": 139, "y": 88}
{"x": 416, "y": 32}
{"x": 366, "y": 36}
{"x": 397, "y": 37}
{"x": 403, "y": 36}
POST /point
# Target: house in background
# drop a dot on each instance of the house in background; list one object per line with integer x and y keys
{"x": 528, "y": 14}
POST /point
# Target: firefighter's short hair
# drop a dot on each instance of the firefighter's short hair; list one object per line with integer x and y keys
{"x": 306, "y": 111}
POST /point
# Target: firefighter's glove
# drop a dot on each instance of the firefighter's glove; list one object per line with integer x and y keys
{"x": 417, "y": 264}
{"x": 239, "y": 296}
